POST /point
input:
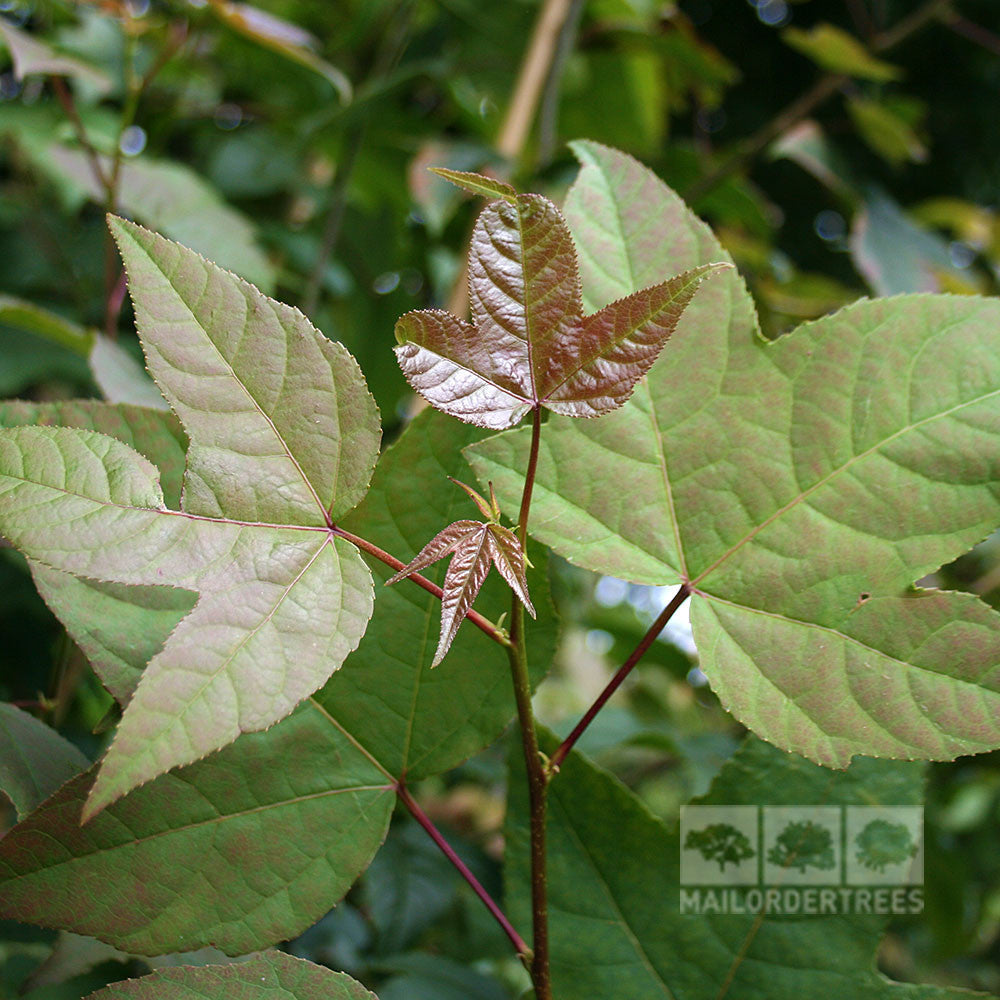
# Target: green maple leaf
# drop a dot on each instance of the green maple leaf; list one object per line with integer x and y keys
{"x": 271, "y": 976}
{"x": 798, "y": 488}
{"x": 615, "y": 894}
{"x": 283, "y": 439}
{"x": 305, "y": 805}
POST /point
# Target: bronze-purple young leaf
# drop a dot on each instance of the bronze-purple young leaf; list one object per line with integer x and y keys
{"x": 473, "y": 545}
{"x": 438, "y": 547}
{"x": 529, "y": 343}
{"x": 508, "y": 557}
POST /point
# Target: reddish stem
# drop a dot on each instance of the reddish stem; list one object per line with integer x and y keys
{"x": 432, "y": 831}
{"x": 537, "y": 777}
{"x": 623, "y": 671}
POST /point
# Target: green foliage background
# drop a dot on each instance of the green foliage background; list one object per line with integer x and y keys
{"x": 887, "y": 184}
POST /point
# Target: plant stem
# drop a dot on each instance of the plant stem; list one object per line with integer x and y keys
{"x": 135, "y": 86}
{"x": 793, "y": 113}
{"x": 334, "y": 219}
{"x": 394, "y": 39}
{"x": 548, "y": 115}
{"x": 483, "y": 624}
{"x": 623, "y": 671}
{"x": 975, "y": 33}
{"x": 446, "y": 849}
{"x": 537, "y": 782}
{"x": 65, "y": 99}
{"x": 529, "y": 476}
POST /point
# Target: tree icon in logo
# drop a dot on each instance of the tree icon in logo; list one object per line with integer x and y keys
{"x": 721, "y": 843}
{"x": 803, "y": 844}
{"x": 882, "y": 843}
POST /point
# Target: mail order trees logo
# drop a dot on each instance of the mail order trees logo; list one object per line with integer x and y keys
{"x": 801, "y": 860}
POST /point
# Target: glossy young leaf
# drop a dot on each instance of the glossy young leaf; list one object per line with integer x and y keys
{"x": 272, "y": 976}
{"x": 617, "y": 926}
{"x": 34, "y": 759}
{"x": 473, "y": 545}
{"x": 278, "y": 450}
{"x": 414, "y": 719}
{"x": 529, "y": 343}
{"x": 799, "y": 487}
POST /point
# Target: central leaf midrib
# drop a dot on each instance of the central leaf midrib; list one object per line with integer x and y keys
{"x": 597, "y": 354}
{"x": 177, "y": 830}
{"x": 165, "y": 511}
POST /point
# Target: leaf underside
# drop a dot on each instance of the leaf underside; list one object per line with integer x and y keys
{"x": 283, "y": 438}
{"x": 287, "y": 819}
{"x": 800, "y": 487}
{"x": 529, "y": 344}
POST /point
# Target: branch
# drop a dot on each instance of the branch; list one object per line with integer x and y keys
{"x": 793, "y": 113}
{"x": 424, "y": 820}
{"x": 334, "y": 219}
{"x": 394, "y": 39}
{"x": 531, "y": 78}
{"x": 975, "y": 33}
{"x": 65, "y": 99}
{"x": 623, "y": 671}
{"x": 824, "y": 87}
{"x": 114, "y": 274}
{"x": 483, "y": 624}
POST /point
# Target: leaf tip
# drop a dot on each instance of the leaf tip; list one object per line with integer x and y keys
{"x": 478, "y": 184}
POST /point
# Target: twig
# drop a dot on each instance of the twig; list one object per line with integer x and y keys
{"x": 906, "y": 26}
{"x": 424, "y": 820}
{"x": 135, "y": 89}
{"x": 623, "y": 671}
{"x": 975, "y": 33}
{"x": 531, "y": 78}
{"x": 65, "y": 99}
{"x": 861, "y": 17}
{"x": 824, "y": 87}
{"x": 802, "y": 106}
{"x": 548, "y": 115}
{"x": 387, "y": 56}
{"x": 483, "y": 624}
{"x": 334, "y": 219}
